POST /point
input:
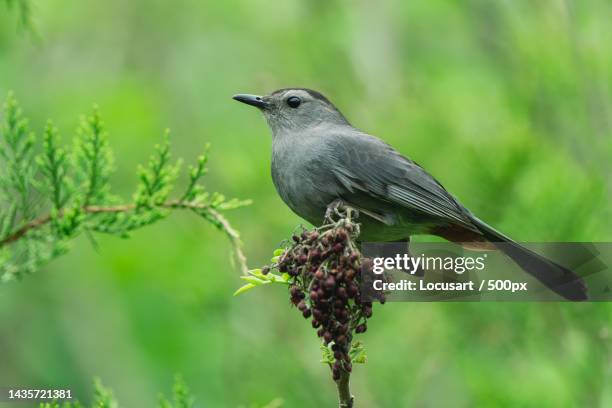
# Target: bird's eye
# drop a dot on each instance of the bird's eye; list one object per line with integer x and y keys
{"x": 294, "y": 101}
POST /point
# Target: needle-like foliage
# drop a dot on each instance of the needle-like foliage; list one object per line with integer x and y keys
{"x": 104, "y": 398}
{"x": 49, "y": 197}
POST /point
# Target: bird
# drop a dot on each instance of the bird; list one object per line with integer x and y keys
{"x": 319, "y": 160}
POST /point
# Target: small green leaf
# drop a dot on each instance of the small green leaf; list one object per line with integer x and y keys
{"x": 278, "y": 278}
{"x": 278, "y": 251}
{"x": 358, "y": 353}
{"x": 257, "y": 273}
{"x": 244, "y": 288}
{"x": 253, "y": 280}
{"x": 327, "y": 355}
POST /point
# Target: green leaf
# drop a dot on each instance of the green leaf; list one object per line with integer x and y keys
{"x": 244, "y": 288}
{"x": 358, "y": 353}
{"x": 284, "y": 278}
{"x": 253, "y": 280}
{"x": 327, "y": 354}
{"x": 256, "y": 272}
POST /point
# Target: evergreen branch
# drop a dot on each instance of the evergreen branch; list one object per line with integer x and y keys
{"x": 47, "y": 201}
{"x": 181, "y": 396}
{"x": 53, "y": 164}
{"x": 94, "y": 158}
{"x": 156, "y": 180}
{"x": 16, "y": 153}
{"x": 195, "y": 174}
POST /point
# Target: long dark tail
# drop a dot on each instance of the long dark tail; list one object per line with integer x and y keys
{"x": 558, "y": 278}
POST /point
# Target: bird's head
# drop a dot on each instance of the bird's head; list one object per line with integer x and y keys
{"x": 294, "y": 109}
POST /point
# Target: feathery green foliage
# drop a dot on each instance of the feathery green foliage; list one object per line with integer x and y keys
{"x": 103, "y": 398}
{"x": 93, "y": 159}
{"x": 181, "y": 396}
{"x": 48, "y": 198}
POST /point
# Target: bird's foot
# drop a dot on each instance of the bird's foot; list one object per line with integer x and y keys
{"x": 339, "y": 211}
{"x": 335, "y": 209}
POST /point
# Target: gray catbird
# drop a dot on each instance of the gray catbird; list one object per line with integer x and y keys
{"x": 319, "y": 159}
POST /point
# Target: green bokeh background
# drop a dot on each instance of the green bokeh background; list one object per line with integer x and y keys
{"x": 507, "y": 103}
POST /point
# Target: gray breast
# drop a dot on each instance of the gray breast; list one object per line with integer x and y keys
{"x": 300, "y": 177}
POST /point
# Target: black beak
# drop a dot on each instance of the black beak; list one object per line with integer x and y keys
{"x": 253, "y": 100}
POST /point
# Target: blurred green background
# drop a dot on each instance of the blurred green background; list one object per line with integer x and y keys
{"x": 507, "y": 103}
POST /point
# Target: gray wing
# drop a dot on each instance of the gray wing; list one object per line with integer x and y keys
{"x": 365, "y": 164}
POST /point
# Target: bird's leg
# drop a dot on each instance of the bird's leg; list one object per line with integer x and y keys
{"x": 334, "y": 208}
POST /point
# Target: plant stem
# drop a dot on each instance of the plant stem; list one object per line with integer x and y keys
{"x": 172, "y": 204}
{"x": 234, "y": 238}
{"x": 345, "y": 398}
{"x": 39, "y": 222}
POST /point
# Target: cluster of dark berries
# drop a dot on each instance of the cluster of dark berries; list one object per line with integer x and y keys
{"x": 324, "y": 265}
